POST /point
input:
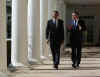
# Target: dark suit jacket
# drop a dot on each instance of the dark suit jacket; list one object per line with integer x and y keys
{"x": 76, "y": 34}
{"x": 53, "y": 32}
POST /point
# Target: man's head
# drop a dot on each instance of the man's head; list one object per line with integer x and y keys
{"x": 75, "y": 15}
{"x": 55, "y": 14}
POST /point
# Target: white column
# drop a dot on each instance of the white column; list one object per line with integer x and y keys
{"x": 61, "y": 8}
{"x": 65, "y": 23}
{"x": 19, "y": 47}
{"x": 52, "y": 5}
{"x": 43, "y": 24}
{"x": 33, "y": 30}
{"x": 58, "y": 5}
{"x": 3, "y": 51}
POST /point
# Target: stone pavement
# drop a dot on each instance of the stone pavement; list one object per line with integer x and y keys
{"x": 89, "y": 67}
{"x": 3, "y": 74}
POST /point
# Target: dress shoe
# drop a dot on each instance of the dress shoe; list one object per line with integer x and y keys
{"x": 56, "y": 67}
{"x": 77, "y": 66}
{"x": 73, "y": 65}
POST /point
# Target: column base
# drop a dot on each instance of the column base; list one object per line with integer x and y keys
{"x": 17, "y": 64}
{"x": 50, "y": 55}
{"x": 44, "y": 58}
{"x": 33, "y": 61}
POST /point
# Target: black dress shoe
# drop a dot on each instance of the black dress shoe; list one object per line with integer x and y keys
{"x": 77, "y": 66}
{"x": 73, "y": 65}
{"x": 56, "y": 67}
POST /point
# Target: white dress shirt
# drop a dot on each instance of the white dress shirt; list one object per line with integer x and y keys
{"x": 55, "y": 20}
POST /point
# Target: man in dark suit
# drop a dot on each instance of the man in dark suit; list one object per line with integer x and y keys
{"x": 76, "y": 29}
{"x": 55, "y": 35}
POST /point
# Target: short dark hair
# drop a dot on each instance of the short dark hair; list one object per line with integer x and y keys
{"x": 76, "y": 12}
{"x": 55, "y": 11}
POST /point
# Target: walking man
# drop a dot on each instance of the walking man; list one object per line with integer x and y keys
{"x": 76, "y": 29}
{"x": 55, "y": 35}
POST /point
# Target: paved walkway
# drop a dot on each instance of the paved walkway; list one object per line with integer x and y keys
{"x": 89, "y": 67}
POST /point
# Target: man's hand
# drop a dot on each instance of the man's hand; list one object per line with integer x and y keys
{"x": 80, "y": 28}
{"x": 47, "y": 41}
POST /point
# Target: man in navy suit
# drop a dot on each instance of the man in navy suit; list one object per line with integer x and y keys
{"x": 76, "y": 29}
{"x": 55, "y": 35}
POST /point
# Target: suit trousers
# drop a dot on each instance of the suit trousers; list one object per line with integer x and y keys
{"x": 55, "y": 50}
{"x": 76, "y": 54}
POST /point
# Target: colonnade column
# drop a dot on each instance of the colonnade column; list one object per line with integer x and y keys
{"x": 19, "y": 46}
{"x": 52, "y": 5}
{"x": 43, "y": 24}
{"x": 34, "y": 30}
{"x": 3, "y": 51}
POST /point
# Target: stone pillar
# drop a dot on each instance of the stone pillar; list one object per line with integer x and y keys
{"x": 33, "y": 30}
{"x": 3, "y": 51}
{"x": 60, "y": 7}
{"x": 52, "y": 5}
{"x": 19, "y": 47}
{"x": 43, "y": 24}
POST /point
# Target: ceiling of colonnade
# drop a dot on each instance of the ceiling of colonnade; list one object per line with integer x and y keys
{"x": 85, "y": 2}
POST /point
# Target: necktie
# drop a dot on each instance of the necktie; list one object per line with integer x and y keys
{"x": 75, "y": 24}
